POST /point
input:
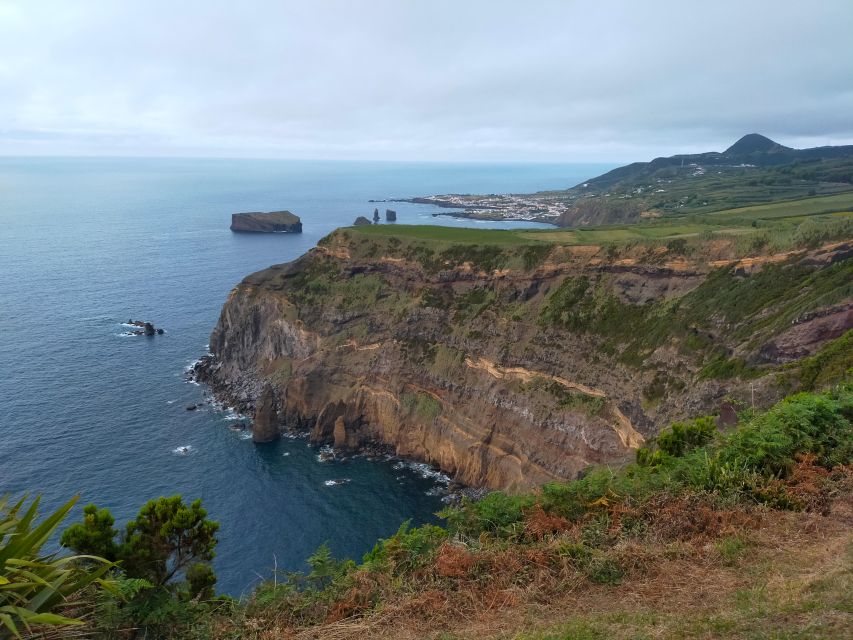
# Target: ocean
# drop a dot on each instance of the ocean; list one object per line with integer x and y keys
{"x": 88, "y": 243}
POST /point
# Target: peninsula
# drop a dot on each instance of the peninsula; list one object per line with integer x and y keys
{"x": 273, "y": 222}
{"x": 754, "y": 170}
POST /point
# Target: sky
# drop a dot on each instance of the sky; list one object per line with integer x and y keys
{"x": 421, "y": 79}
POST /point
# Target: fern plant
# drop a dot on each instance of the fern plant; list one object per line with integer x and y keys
{"x": 35, "y": 586}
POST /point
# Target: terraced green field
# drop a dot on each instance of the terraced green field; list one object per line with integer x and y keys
{"x": 829, "y": 216}
{"x": 841, "y": 202}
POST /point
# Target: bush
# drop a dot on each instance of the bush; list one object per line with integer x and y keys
{"x": 406, "y": 550}
{"x": 681, "y": 437}
{"x": 803, "y": 423}
{"x": 497, "y": 513}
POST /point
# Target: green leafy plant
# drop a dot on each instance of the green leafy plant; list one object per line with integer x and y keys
{"x": 38, "y": 588}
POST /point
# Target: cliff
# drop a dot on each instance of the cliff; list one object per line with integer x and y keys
{"x": 509, "y": 363}
{"x": 273, "y": 222}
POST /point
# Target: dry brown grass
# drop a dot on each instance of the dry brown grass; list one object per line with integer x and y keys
{"x": 675, "y": 584}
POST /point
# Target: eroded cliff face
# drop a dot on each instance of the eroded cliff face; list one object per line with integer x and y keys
{"x": 519, "y": 365}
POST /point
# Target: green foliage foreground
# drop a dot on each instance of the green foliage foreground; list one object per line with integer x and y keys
{"x": 165, "y": 580}
{"x": 40, "y": 589}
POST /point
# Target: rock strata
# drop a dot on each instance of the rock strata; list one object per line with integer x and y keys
{"x": 505, "y": 373}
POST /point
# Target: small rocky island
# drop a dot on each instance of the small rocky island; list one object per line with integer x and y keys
{"x": 272, "y": 222}
{"x": 144, "y": 328}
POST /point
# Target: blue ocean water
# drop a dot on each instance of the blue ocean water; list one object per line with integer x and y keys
{"x": 86, "y": 244}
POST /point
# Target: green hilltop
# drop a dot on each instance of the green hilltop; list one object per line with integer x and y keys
{"x": 754, "y": 170}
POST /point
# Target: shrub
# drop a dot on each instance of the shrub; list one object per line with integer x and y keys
{"x": 803, "y": 423}
{"x": 681, "y": 437}
{"x": 497, "y": 513}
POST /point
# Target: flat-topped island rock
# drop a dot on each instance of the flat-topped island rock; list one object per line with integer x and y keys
{"x": 272, "y": 222}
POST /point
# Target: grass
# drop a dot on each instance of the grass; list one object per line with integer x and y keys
{"x": 842, "y": 202}
{"x": 785, "y": 216}
{"x": 453, "y": 235}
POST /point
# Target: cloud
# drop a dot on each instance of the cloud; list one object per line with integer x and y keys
{"x": 488, "y": 80}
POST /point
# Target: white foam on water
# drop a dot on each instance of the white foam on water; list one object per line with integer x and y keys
{"x": 183, "y": 451}
{"x": 246, "y": 435}
{"x": 423, "y": 470}
{"x": 334, "y": 483}
{"x": 327, "y": 454}
{"x": 285, "y": 454}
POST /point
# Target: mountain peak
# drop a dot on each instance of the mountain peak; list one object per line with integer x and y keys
{"x": 754, "y": 143}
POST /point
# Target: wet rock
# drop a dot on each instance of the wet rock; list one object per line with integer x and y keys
{"x": 145, "y": 328}
{"x": 191, "y": 407}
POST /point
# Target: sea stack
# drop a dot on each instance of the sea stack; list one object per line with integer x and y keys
{"x": 273, "y": 222}
{"x": 390, "y": 215}
{"x": 265, "y": 423}
{"x": 376, "y": 215}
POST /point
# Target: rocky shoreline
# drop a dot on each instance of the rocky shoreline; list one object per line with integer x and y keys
{"x": 243, "y": 395}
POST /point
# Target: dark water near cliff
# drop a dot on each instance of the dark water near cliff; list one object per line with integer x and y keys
{"x": 86, "y": 244}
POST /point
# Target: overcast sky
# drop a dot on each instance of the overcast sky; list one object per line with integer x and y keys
{"x": 421, "y": 79}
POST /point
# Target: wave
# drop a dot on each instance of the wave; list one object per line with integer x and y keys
{"x": 183, "y": 451}
{"x": 327, "y": 454}
{"x": 339, "y": 481}
{"x": 424, "y": 471}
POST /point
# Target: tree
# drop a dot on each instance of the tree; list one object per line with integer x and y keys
{"x": 167, "y": 541}
{"x": 94, "y": 536}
